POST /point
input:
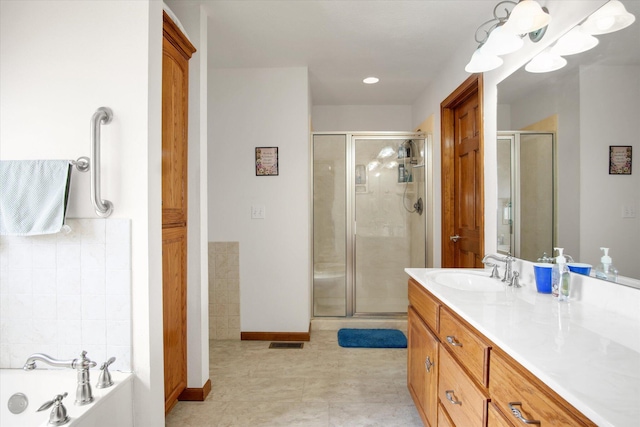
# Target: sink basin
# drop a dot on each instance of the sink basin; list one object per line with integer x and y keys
{"x": 468, "y": 281}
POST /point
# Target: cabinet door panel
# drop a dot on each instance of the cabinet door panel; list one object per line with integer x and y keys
{"x": 424, "y": 304}
{"x": 464, "y": 401}
{"x": 423, "y": 367}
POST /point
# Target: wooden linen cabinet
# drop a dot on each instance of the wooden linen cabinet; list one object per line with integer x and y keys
{"x": 176, "y": 52}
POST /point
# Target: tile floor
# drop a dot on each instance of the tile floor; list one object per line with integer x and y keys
{"x": 321, "y": 385}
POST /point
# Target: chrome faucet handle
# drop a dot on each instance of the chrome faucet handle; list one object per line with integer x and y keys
{"x": 514, "y": 280}
{"x": 104, "y": 379}
{"x": 58, "y": 415}
{"x": 494, "y": 270}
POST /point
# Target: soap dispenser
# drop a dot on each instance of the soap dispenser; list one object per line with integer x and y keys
{"x": 560, "y": 277}
{"x": 605, "y": 269}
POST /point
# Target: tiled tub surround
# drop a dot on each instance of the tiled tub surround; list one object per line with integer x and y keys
{"x": 224, "y": 290}
{"x": 587, "y": 351}
{"x": 64, "y": 293}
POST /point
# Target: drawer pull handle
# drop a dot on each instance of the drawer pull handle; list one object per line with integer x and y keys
{"x": 452, "y": 340}
{"x": 450, "y": 398}
{"x": 516, "y": 413}
{"x": 428, "y": 364}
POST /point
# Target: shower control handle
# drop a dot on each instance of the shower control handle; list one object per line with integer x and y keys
{"x": 454, "y": 238}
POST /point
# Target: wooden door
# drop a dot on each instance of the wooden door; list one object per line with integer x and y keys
{"x": 463, "y": 176}
{"x": 176, "y": 51}
{"x": 422, "y": 376}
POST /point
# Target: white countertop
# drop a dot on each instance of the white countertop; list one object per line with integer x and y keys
{"x": 587, "y": 353}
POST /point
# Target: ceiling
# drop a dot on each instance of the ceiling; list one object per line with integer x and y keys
{"x": 404, "y": 43}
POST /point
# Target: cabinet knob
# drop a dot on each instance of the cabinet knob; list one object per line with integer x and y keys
{"x": 450, "y": 397}
{"x": 428, "y": 364}
{"x": 516, "y": 413}
{"x": 452, "y": 340}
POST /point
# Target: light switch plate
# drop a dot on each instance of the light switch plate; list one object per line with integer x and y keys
{"x": 628, "y": 212}
{"x": 257, "y": 211}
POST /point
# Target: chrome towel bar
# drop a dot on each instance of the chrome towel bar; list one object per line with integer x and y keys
{"x": 102, "y": 116}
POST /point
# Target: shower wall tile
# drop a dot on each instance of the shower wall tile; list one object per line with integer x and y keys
{"x": 224, "y": 290}
{"x": 67, "y": 292}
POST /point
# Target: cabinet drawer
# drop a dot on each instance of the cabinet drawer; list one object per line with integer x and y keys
{"x": 466, "y": 345}
{"x": 464, "y": 401}
{"x": 426, "y": 306}
{"x": 511, "y": 386}
{"x": 443, "y": 418}
{"x": 495, "y": 418}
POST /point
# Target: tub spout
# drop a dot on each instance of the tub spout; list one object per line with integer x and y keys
{"x": 41, "y": 357}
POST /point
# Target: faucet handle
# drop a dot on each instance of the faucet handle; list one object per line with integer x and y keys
{"x": 494, "y": 270}
{"x": 104, "y": 380}
{"x": 58, "y": 415}
{"x": 514, "y": 280}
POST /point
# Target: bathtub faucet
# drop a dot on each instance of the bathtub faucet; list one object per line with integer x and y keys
{"x": 84, "y": 394}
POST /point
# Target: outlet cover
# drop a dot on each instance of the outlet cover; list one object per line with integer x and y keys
{"x": 257, "y": 211}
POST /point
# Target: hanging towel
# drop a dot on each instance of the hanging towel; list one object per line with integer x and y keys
{"x": 33, "y": 196}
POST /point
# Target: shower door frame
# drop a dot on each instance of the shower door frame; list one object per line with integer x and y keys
{"x": 351, "y": 227}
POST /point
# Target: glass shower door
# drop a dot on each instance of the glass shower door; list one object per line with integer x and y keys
{"x": 329, "y": 225}
{"x": 389, "y": 232}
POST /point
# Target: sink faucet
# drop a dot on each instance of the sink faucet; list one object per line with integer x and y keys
{"x": 508, "y": 266}
{"x": 84, "y": 394}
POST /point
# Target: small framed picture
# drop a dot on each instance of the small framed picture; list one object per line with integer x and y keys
{"x": 266, "y": 161}
{"x": 620, "y": 160}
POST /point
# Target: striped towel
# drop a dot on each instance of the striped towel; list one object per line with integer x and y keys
{"x": 33, "y": 196}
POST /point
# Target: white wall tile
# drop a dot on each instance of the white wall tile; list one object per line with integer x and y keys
{"x": 59, "y": 290}
{"x": 92, "y": 256}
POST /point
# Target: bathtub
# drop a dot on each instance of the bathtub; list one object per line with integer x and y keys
{"x": 111, "y": 406}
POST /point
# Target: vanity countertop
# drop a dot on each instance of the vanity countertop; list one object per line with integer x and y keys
{"x": 587, "y": 353}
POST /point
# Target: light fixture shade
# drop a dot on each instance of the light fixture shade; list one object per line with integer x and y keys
{"x": 545, "y": 62}
{"x": 527, "y": 16}
{"x": 481, "y": 62}
{"x": 609, "y": 18}
{"x": 575, "y": 41}
{"x": 501, "y": 42}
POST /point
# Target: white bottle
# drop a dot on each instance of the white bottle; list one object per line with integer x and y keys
{"x": 560, "y": 277}
{"x": 605, "y": 269}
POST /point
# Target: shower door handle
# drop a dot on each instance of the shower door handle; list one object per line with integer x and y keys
{"x": 454, "y": 238}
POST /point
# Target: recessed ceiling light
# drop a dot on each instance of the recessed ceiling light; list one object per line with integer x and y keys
{"x": 371, "y": 80}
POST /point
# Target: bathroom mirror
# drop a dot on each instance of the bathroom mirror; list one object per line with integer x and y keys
{"x": 589, "y": 105}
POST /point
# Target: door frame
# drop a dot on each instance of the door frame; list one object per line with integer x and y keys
{"x": 471, "y": 86}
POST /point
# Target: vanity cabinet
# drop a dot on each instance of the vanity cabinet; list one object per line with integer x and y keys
{"x": 423, "y": 369}
{"x": 478, "y": 384}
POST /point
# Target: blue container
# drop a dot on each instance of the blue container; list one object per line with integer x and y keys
{"x": 543, "y": 277}
{"x": 580, "y": 268}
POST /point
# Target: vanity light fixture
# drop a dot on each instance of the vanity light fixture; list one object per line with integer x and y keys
{"x": 577, "y": 40}
{"x": 503, "y": 33}
{"x": 545, "y": 62}
{"x": 371, "y": 80}
{"x": 609, "y": 18}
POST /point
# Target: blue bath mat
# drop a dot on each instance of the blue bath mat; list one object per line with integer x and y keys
{"x": 372, "y": 338}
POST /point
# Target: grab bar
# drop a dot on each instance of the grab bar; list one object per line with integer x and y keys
{"x": 103, "y": 115}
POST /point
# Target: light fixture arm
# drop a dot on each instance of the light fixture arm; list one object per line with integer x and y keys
{"x": 496, "y": 21}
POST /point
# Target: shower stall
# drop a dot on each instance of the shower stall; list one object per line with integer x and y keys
{"x": 369, "y": 210}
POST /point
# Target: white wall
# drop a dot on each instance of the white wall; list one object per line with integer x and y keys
{"x": 251, "y": 108}
{"x": 565, "y": 14}
{"x": 193, "y": 18}
{"x": 328, "y": 118}
{"x": 59, "y": 61}
{"x": 610, "y": 108}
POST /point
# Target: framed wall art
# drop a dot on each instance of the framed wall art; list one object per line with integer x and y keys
{"x": 266, "y": 161}
{"x": 620, "y": 160}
